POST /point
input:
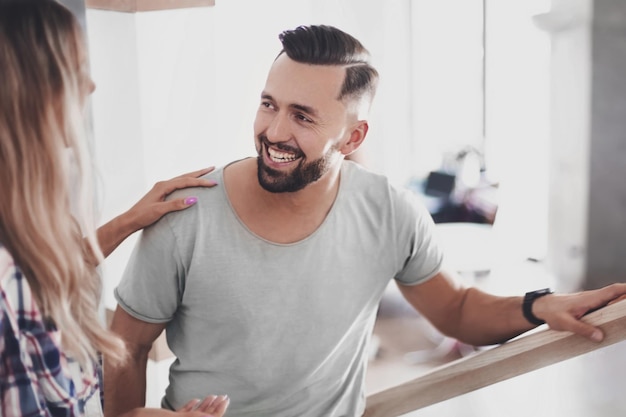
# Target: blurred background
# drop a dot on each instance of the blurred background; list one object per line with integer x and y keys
{"x": 506, "y": 116}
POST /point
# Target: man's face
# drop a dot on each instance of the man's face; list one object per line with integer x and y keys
{"x": 300, "y": 125}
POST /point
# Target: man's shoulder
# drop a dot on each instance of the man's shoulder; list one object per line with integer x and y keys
{"x": 357, "y": 173}
{"x": 377, "y": 190}
{"x": 364, "y": 181}
{"x": 203, "y": 193}
{"x": 211, "y": 204}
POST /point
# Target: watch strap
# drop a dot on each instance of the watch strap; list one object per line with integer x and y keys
{"x": 527, "y": 305}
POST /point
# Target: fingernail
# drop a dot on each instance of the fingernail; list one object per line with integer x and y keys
{"x": 191, "y": 200}
{"x": 596, "y": 336}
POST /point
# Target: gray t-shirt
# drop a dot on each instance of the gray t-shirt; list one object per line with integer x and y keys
{"x": 283, "y": 329}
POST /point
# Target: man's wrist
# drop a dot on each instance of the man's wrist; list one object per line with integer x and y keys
{"x": 529, "y": 301}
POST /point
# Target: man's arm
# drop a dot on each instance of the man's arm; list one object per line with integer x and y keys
{"x": 125, "y": 384}
{"x": 479, "y": 318}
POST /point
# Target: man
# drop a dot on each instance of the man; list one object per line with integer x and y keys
{"x": 269, "y": 288}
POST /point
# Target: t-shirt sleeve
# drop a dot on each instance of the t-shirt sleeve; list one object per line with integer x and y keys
{"x": 425, "y": 255}
{"x": 153, "y": 281}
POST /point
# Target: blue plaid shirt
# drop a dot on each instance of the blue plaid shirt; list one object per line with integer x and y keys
{"x": 36, "y": 378}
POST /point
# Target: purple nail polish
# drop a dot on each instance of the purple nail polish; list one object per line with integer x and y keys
{"x": 191, "y": 200}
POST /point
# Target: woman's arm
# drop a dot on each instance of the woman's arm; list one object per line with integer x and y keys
{"x": 150, "y": 209}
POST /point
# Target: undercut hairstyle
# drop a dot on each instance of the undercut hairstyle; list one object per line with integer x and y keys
{"x": 47, "y": 223}
{"x": 327, "y": 45}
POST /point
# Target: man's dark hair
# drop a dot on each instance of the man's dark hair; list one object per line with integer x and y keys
{"x": 327, "y": 45}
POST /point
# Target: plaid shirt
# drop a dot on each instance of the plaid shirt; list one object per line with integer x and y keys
{"x": 36, "y": 378}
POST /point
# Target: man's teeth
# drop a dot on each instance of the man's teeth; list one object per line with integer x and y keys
{"x": 278, "y": 156}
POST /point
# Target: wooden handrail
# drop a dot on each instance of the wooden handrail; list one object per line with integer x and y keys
{"x": 528, "y": 352}
{"x": 133, "y": 6}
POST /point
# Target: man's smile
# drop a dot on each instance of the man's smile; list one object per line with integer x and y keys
{"x": 279, "y": 156}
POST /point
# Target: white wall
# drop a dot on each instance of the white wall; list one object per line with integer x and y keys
{"x": 447, "y": 65}
{"x": 117, "y": 131}
{"x": 518, "y": 123}
{"x": 569, "y": 173}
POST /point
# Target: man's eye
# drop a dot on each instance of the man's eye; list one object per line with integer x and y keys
{"x": 303, "y": 118}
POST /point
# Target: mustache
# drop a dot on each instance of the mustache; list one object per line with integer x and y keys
{"x": 279, "y": 145}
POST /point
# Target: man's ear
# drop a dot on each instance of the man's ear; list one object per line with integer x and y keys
{"x": 357, "y": 136}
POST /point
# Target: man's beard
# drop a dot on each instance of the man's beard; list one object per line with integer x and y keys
{"x": 303, "y": 174}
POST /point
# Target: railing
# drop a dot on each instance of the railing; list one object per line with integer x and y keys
{"x": 528, "y": 352}
{"x": 133, "y": 6}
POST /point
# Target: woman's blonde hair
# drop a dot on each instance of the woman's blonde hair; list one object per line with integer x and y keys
{"x": 42, "y": 90}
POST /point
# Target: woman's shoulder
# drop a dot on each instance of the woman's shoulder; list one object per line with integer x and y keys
{"x": 17, "y": 303}
{"x": 33, "y": 347}
{"x": 13, "y": 286}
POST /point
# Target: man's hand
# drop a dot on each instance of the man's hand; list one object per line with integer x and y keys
{"x": 564, "y": 311}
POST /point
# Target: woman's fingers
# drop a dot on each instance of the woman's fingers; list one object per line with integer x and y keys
{"x": 197, "y": 173}
{"x": 190, "y": 406}
{"x": 163, "y": 188}
{"x": 215, "y": 405}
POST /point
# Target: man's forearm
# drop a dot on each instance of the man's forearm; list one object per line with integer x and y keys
{"x": 487, "y": 319}
{"x": 125, "y": 384}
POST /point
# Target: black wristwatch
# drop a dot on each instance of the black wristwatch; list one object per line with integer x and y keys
{"x": 527, "y": 305}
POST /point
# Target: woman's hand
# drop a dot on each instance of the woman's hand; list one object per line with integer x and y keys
{"x": 211, "y": 406}
{"x": 151, "y": 208}
{"x": 153, "y": 205}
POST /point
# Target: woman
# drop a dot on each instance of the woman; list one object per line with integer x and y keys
{"x": 50, "y": 331}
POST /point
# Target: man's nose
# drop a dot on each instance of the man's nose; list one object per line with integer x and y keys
{"x": 279, "y": 129}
